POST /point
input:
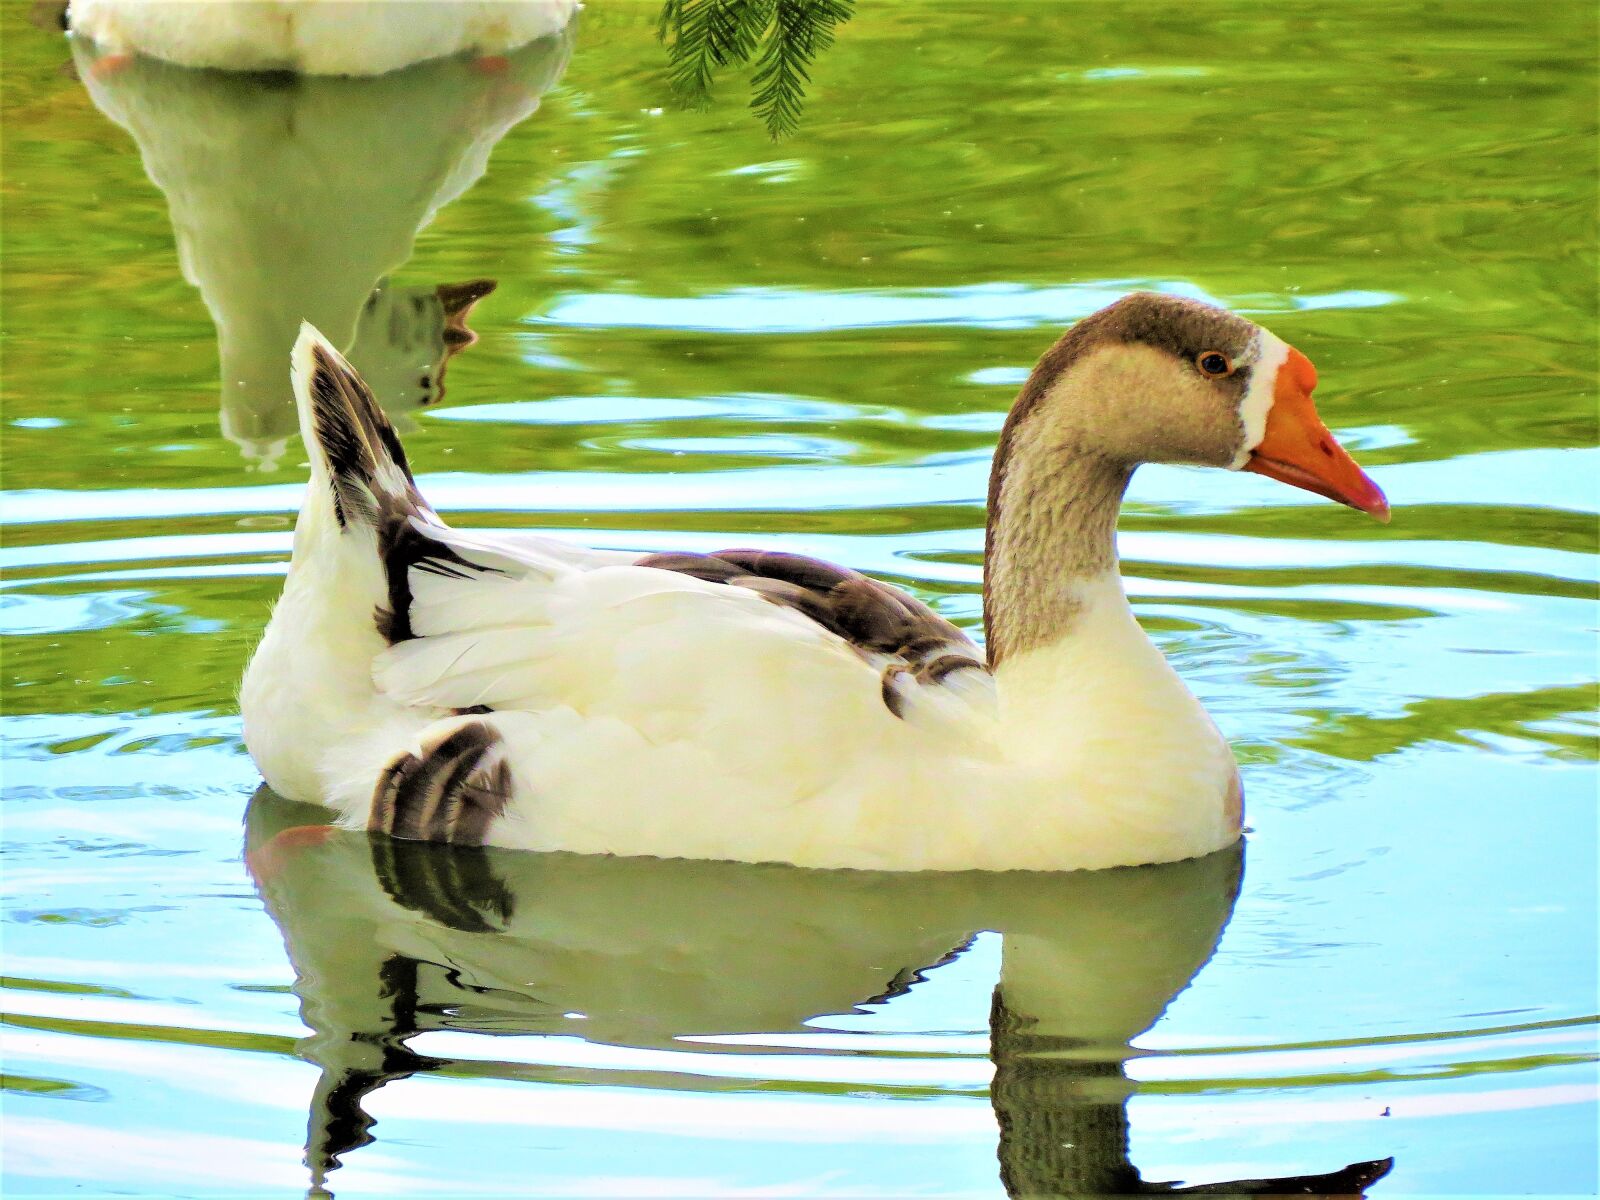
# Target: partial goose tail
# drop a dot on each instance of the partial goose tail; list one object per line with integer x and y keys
{"x": 360, "y": 527}
{"x": 356, "y": 457}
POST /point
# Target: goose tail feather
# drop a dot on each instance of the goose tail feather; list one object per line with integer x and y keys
{"x": 355, "y": 453}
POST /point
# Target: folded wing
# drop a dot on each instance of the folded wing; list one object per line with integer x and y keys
{"x": 704, "y": 647}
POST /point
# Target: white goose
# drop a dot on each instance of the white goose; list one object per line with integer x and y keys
{"x": 314, "y": 37}
{"x": 520, "y": 691}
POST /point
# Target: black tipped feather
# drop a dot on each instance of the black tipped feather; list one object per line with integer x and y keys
{"x": 404, "y": 545}
{"x": 371, "y": 480}
{"x": 367, "y": 466}
{"x": 452, "y": 793}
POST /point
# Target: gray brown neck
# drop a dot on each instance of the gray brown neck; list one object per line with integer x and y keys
{"x": 1052, "y": 524}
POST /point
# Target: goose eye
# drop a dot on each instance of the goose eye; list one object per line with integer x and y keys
{"x": 1213, "y": 362}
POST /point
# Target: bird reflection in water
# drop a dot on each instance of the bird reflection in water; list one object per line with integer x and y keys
{"x": 297, "y": 197}
{"x": 391, "y": 938}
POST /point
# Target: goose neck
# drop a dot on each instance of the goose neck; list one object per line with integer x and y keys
{"x": 1051, "y": 543}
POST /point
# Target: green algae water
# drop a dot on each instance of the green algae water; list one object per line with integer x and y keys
{"x": 702, "y": 338}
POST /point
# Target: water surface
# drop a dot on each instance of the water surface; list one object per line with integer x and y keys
{"x": 701, "y": 338}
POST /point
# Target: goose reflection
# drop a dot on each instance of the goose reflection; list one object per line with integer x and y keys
{"x": 391, "y": 938}
{"x": 295, "y": 197}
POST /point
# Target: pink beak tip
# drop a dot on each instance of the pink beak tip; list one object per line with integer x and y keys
{"x": 1377, "y": 507}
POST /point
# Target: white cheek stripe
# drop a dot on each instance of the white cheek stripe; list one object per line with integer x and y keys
{"x": 1257, "y": 403}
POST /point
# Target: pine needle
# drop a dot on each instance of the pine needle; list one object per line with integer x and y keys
{"x": 703, "y": 36}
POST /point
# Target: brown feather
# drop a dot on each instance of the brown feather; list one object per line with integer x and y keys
{"x": 873, "y": 618}
{"x": 451, "y": 793}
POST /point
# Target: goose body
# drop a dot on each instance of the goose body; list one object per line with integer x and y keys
{"x": 521, "y": 691}
{"x": 314, "y": 37}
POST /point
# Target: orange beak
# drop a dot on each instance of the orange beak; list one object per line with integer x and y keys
{"x": 1299, "y": 450}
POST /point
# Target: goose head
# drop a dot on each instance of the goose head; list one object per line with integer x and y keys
{"x": 1151, "y": 378}
{"x": 1164, "y": 379}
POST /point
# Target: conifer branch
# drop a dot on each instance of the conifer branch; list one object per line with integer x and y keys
{"x": 703, "y": 36}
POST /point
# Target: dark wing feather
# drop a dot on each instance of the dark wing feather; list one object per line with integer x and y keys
{"x": 876, "y": 620}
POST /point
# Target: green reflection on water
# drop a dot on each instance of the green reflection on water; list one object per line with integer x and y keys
{"x": 1403, "y": 191}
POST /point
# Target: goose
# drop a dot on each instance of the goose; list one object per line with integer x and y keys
{"x": 392, "y": 938}
{"x": 270, "y": 235}
{"x": 314, "y": 37}
{"x": 517, "y": 690}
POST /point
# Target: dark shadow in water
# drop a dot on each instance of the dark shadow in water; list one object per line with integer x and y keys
{"x": 650, "y": 950}
{"x": 295, "y": 197}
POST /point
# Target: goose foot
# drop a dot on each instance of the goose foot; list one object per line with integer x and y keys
{"x": 265, "y": 862}
{"x": 109, "y": 64}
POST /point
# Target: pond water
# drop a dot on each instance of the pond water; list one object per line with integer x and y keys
{"x": 703, "y": 338}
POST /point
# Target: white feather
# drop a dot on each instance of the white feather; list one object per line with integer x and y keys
{"x": 315, "y": 37}
{"x": 1270, "y": 353}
